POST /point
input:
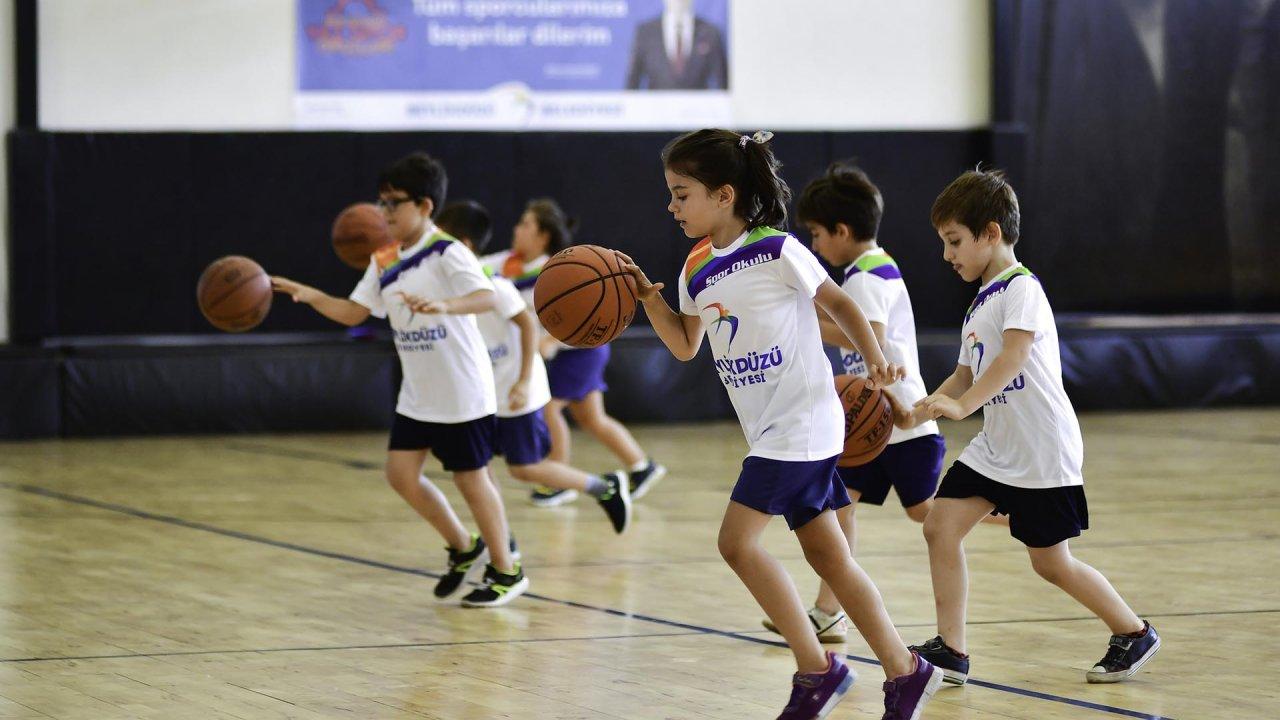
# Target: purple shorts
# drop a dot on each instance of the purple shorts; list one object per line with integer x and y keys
{"x": 524, "y": 439}
{"x": 798, "y": 491}
{"x": 459, "y": 446}
{"x": 575, "y": 373}
{"x": 911, "y": 467}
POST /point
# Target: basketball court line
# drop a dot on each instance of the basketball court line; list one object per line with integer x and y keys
{"x": 327, "y": 648}
{"x": 696, "y": 629}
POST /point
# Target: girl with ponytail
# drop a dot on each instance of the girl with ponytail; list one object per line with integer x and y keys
{"x": 576, "y": 375}
{"x": 750, "y": 287}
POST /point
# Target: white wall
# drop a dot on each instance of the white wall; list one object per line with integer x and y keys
{"x": 8, "y": 114}
{"x": 797, "y": 64}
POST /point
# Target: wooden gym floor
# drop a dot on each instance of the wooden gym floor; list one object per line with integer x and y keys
{"x": 278, "y": 577}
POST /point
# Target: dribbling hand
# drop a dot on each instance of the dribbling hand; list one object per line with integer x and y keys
{"x": 296, "y": 290}
{"x": 645, "y": 290}
{"x": 887, "y": 374}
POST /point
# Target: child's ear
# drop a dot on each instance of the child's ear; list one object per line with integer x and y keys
{"x": 726, "y": 195}
{"x": 843, "y": 232}
{"x": 993, "y": 231}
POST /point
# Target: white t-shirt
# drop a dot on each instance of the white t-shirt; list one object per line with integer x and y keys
{"x": 755, "y": 298}
{"x": 875, "y": 283}
{"x": 524, "y": 280}
{"x": 447, "y": 375}
{"x": 502, "y": 338}
{"x": 1030, "y": 436}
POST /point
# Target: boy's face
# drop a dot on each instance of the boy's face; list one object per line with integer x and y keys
{"x": 404, "y": 217}
{"x": 832, "y": 245}
{"x": 697, "y": 210}
{"x": 527, "y": 239}
{"x": 967, "y": 255}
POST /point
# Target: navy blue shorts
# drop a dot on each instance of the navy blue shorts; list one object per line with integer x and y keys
{"x": 523, "y": 440}
{"x": 575, "y": 373}
{"x": 798, "y": 491}
{"x": 459, "y": 446}
{"x": 911, "y": 467}
{"x": 1037, "y": 518}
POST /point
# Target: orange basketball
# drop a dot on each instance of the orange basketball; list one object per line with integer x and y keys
{"x": 359, "y": 231}
{"x": 234, "y": 293}
{"x": 583, "y": 296}
{"x": 868, "y": 420}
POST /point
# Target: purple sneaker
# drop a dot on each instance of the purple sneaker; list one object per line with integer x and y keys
{"x": 813, "y": 695}
{"x": 906, "y": 696}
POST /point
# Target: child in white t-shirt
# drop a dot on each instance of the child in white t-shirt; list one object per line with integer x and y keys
{"x": 1027, "y": 460}
{"x": 751, "y": 289}
{"x": 447, "y": 400}
{"x": 576, "y": 375}
{"x": 511, "y": 335}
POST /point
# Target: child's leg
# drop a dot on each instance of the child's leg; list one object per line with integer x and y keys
{"x": 827, "y": 550}
{"x": 949, "y": 521}
{"x": 590, "y": 414}
{"x": 919, "y": 511}
{"x": 1088, "y": 586}
{"x": 827, "y": 601}
{"x": 404, "y": 473}
{"x": 486, "y": 508}
{"x": 769, "y": 583}
{"x": 552, "y": 474}
{"x": 559, "y": 428}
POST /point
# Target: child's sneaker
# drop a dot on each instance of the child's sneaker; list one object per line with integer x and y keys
{"x": 543, "y": 496}
{"x": 1125, "y": 655}
{"x": 906, "y": 696}
{"x": 954, "y": 665}
{"x": 813, "y": 695}
{"x": 498, "y": 589}
{"x": 829, "y": 628}
{"x": 461, "y": 563}
{"x": 642, "y": 481}
{"x": 616, "y": 501}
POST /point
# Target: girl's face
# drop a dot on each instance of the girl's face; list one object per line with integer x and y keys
{"x": 698, "y": 210}
{"x": 527, "y": 240}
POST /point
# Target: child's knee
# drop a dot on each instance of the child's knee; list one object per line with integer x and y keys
{"x": 826, "y": 559}
{"x": 920, "y": 511}
{"x": 733, "y": 549}
{"x": 523, "y": 473}
{"x": 937, "y": 531}
{"x": 399, "y": 480}
{"x": 1052, "y": 568}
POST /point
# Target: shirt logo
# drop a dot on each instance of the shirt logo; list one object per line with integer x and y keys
{"x": 975, "y": 346}
{"x": 725, "y": 317}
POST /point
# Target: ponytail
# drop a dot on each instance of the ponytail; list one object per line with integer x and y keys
{"x": 717, "y": 158}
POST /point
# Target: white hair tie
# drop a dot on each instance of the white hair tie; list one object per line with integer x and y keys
{"x": 760, "y": 137}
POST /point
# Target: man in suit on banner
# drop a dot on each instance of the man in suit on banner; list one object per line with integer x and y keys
{"x": 678, "y": 51}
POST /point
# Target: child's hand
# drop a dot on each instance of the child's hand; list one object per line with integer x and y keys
{"x": 548, "y": 347}
{"x": 519, "y": 395}
{"x": 296, "y": 290}
{"x": 938, "y": 405}
{"x": 645, "y": 290}
{"x": 887, "y": 374}
{"x": 426, "y": 307}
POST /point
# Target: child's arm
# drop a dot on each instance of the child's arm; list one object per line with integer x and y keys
{"x": 954, "y": 386}
{"x": 472, "y": 303}
{"x": 519, "y": 394}
{"x": 848, "y": 316}
{"x": 342, "y": 310}
{"x": 1017, "y": 348}
{"x": 682, "y": 334}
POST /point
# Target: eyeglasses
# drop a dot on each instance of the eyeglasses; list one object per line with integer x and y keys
{"x": 390, "y": 204}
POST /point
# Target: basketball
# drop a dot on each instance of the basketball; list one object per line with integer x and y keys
{"x": 868, "y": 420}
{"x": 234, "y": 293}
{"x": 358, "y": 232}
{"x": 583, "y": 296}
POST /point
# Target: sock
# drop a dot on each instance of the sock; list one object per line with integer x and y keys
{"x": 596, "y": 486}
{"x": 642, "y": 465}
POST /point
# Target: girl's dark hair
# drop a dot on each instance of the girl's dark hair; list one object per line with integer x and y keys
{"x": 717, "y": 158}
{"x": 467, "y": 220}
{"x": 844, "y": 195}
{"x": 420, "y": 176}
{"x": 553, "y": 220}
{"x": 976, "y": 198}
